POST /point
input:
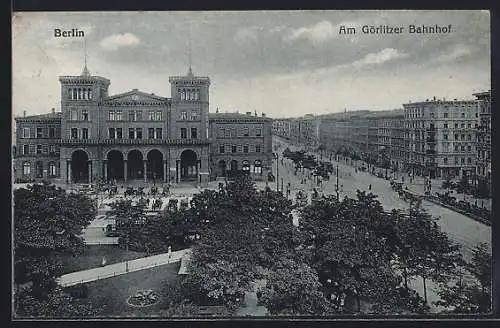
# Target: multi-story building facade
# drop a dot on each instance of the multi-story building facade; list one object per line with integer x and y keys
{"x": 384, "y": 138}
{"x": 281, "y": 127}
{"x": 399, "y": 147}
{"x": 240, "y": 142}
{"x": 37, "y": 146}
{"x": 133, "y": 135}
{"x": 484, "y": 136}
{"x": 442, "y": 137}
{"x": 435, "y": 138}
{"x": 302, "y": 130}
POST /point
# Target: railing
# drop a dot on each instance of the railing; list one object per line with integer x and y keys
{"x": 135, "y": 141}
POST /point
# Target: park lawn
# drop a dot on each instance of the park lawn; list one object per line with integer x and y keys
{"x": 93, "y": 254}
{"x": 110, "y": 295}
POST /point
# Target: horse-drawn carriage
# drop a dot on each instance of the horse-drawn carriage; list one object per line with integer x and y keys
{"x": 409, "y": 196}
{"x": 133, "y": 192}
{"x": 396, "y": 186}
{"x": 301, "y": 198}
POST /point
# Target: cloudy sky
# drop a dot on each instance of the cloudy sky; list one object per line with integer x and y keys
{"x": 281, "y": 63}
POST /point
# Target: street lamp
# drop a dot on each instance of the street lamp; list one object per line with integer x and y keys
{"x": 337, "y": 185}
{"x": 276, "y": 156}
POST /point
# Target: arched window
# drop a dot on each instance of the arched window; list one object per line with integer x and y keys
{"x": 70, "y": 93}
{"x": 90, "y": 93}
{"x": 26, "y": 168}
{"x": 183, "y": 94}
{"x": 79, "y": 93}
{"x": 52, "y": 169}
{"x": 84, "y": 96}
{"x": 246, "y": 166}
{"x": 75, "y": 91}
{"x": 257, "y": 169}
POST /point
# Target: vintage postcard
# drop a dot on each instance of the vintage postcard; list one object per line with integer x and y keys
{"x": 251, "y": 164}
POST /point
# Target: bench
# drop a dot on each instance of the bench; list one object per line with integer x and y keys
{"x": 211, "y": 310}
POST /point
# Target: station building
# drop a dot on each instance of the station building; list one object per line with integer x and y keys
{"x": 139, "y": 136}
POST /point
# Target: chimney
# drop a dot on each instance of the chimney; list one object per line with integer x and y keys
{"x": 53, "y": 110}
{"x": 434, "y": 98}
{"x": 249, "y": 113}
{"x": 263, "y": 114}
{"x": 24, "y": 113}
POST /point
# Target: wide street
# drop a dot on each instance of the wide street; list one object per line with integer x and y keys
{"x": 463, "y": 230}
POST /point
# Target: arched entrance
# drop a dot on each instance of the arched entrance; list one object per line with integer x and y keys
{"x": 79, "y": 166}
{"x": 155, "y": 165}
{"x": 234, "y": 165}
{"x": 233, "y": 168}
{"x": 115, "y": 165}
{"x": 39, "y": 169}
{"x": 135, "y": 165}
{"x": 222, "y": 168}
{"x": 189, "y": 170}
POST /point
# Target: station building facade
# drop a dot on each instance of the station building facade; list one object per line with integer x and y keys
{"x": 132, "y": 135}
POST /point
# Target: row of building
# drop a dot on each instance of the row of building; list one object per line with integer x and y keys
{"x": 436, "y": 137}
{"x": 137, "y": 135}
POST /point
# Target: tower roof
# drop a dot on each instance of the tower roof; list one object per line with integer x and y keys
{"x": 85, "y": 71}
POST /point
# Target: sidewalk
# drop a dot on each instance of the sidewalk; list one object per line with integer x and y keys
{"x": 117, "y": 269}
{"x": 418, "y": 183}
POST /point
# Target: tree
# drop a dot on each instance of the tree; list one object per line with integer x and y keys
{"x": 48, "y": 223}
{"x": 129, "y": 221}
{"x": 241, "y": 228}
{"x": 293, "y": 288}
{"x": 473, "y": 294}
{"x": 57, "y": 304}
{"x": 354, "y": 241}
{"x": 425, "y": 250}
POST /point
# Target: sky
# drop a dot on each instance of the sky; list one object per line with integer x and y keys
{"x": 282, "y": 63}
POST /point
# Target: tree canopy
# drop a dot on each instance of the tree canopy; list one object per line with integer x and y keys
{"x": 48, "y": 222}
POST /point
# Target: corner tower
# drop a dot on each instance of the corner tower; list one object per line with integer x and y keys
{"x": 190, "y": 106}
{"x": 80, "y": 98}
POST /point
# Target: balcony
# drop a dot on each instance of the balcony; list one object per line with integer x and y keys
{"x": 430, "y": 139}
{"x": 430, "y": 152}
{"x": 95, "y": 142}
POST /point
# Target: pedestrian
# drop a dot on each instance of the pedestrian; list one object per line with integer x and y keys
{"x": 370, "y": 187}
{"x": 104, "y": 262}
{"x": 169, "y": 253}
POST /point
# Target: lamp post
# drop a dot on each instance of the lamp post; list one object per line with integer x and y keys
{"x": 337, "y": 185}
{"x": 276, "y": 156}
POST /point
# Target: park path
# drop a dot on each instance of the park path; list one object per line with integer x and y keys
{"x": 117, "y": 269}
